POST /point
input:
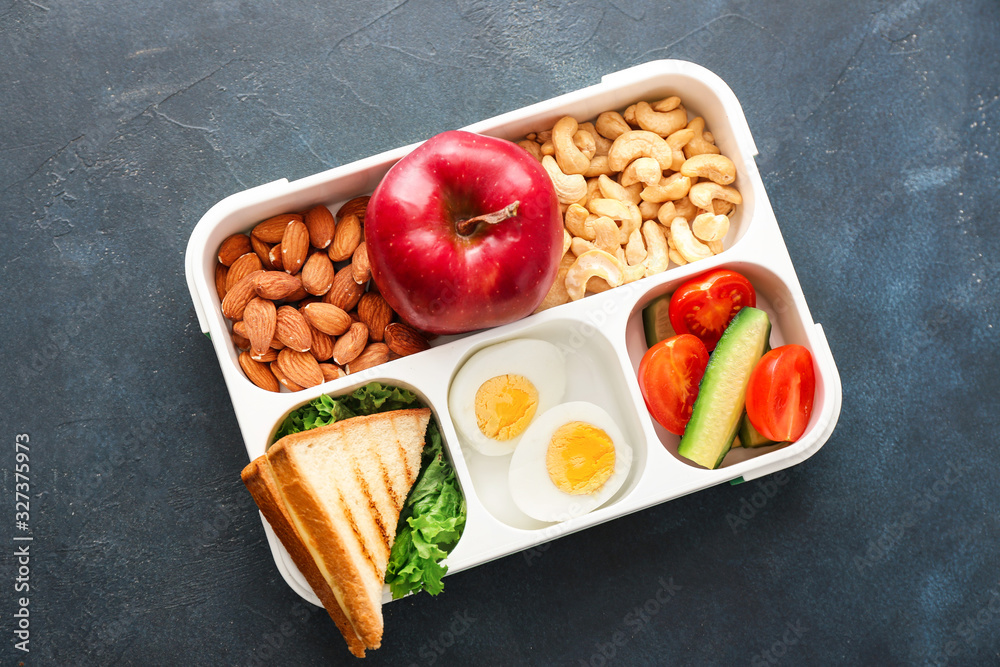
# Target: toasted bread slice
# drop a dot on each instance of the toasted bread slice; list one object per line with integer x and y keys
{"x": 343, "y": 487}
{"x": 259, "y": 480}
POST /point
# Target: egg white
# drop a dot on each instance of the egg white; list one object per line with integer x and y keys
{"x": 541, "y": 363}
{"x": 531, "y": 487}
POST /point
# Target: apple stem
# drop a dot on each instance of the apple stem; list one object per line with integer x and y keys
{"x": 466, "y": 227}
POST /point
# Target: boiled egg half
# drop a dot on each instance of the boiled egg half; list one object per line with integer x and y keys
{"x": 571, "y": 460}
{"x": 501, "y": 389}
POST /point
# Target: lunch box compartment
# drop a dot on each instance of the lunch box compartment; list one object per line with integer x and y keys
{"x": 593, "y": 374}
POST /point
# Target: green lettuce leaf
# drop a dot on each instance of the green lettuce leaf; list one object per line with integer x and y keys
{"x": 434, "y": 513}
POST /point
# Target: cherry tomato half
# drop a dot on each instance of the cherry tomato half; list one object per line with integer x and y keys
{"x": 669, "y": 374}
{"x": 706, "y": 304}
{"x": 780, "y": 393}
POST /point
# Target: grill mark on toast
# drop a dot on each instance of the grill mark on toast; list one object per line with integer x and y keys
{"x": 411, "y": 474}
{"x": 357, "y": 534}
{"x": 373, "y": 508}
{"x": 387, "y": 481}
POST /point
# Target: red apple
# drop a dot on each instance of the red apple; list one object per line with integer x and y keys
{"x": 464, "y": 233}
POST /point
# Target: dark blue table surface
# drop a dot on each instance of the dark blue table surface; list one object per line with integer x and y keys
{"x": 121, "y": 124}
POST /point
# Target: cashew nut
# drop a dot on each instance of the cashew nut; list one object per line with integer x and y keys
{"x": 602, "y": 144}
{"x": 670, "y": 188}
{"x": 598, "y": 165}
{"x": 629, "y": 115}
{"x": 594, "y": 263}
{"x": 690, "y": 248}
{"x": 635, "y": 249}
{"x": 704, "y": 192}
{"x": 680, "y": 138}
{"x": 567, "y": 241}
{"x": 585, "y": 142}
{"x": 577, "y": 221}
{"x": 626, "y": 212}
{"x": 642, "y": 170}
{"x": 633, "y": 273}
{"x": 685, "y": 209}
{"x": 569, "y": 187}
{"x": 662, "y": 123}
{"x": 698, "y": 144}
{"x": 613, "y": 190}
{"x": 710, "y": 227}
{"x": 720, "y": 207}
{"x": 715, "y": 246}
{"x": 557, "y": 294}
{"x": 667, "y": 104}
{"x": 649, "y": 209}
{"x": 676, "y": 257}
{"x": 579, "y": 246}
{"x": 639, "y": 143}
{"x": 606, "y": 238}
{"x": 657, "y": 253}
{"x": 531, "y": 147}
{"x": 611, "y": 125}
{"x": 666, "y": 213}
{"x": 548, "y": 148}
{"x": 570, "y": 159}
{"x": 714, "y": 167}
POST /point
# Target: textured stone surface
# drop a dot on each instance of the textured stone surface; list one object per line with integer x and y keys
{"x": 878, "y": 126}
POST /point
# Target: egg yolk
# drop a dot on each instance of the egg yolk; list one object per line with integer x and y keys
{"x": 505, "y": 405}
{"x": 580, "y": 458}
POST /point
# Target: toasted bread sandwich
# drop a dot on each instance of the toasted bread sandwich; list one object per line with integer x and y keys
{"x": 333, "y": 496}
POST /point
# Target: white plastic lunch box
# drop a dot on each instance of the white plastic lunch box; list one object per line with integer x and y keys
{"x": 601, "y": 335}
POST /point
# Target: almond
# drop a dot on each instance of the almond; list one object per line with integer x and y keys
{"x": 317, "y": 274}
{"x": 294, "y": 247}
{"x": 344, "y": 293}
{"x": 239, "y": 296}
{"x": 373, "y": 355}
{"x": 298, "y": 294}
{"x": 356, "y": 206}
{"x": 240, "y": 342}
{"x": 376, "y": 313}
{"x": 263, "y": 251}
{"x": 272, "y": 229}
{"x": 260, "y": 319}
{"x": 327, "y": 318}
{"x": 321, "y": 226}
{"x": 243, "y": 266}
{"x": 351, "y": 344}
{"x": 221, "y": 270}
{"x": 258, "y": 373}
{"x": 331, "y": 372}
{"x": 292, "y": 330}
{"x": 404, "y": 340}
{"x": 267, "y": 357}
{"x": 346, "y": 238}
{"x": 274, "y": 256}
{"x": 361, "y": 268}
{"x": 322, "y": 345}
{"x": 285, "y": 382}
{"x": 277, "y": 285}
{"x": 233, "y": 247}
{"x": 240, "y": 329}
{"x": 300, "y": 367}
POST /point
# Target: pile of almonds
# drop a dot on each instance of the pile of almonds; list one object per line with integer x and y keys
{"x": 304, "y": 311}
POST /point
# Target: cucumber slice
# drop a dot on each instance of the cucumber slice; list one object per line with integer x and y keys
{"x": 751, "y": 437}
{"x": 656, "y": 320}
{"x": 722, "y": 394}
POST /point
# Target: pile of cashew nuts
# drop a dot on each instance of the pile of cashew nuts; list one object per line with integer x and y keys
{"x": 638, "y": 190}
